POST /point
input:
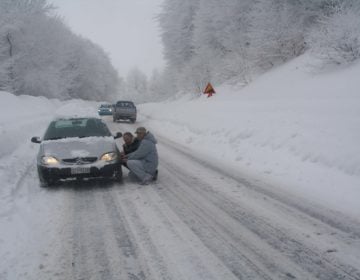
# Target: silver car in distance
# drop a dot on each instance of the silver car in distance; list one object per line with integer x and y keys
{"x": 77, "y": 148}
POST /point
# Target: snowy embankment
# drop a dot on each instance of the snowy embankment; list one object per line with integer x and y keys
{"x": 292, "y": 129}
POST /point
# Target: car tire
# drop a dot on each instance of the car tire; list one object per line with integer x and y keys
{"x": 44, "y": 184}
{"x": 133, "y": 120}
{"x": 118, "y": 175}
{"x": 47, "y": 183}
{"x": 114, "y": 119}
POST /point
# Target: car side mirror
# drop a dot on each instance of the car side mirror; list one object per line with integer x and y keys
{"x": 118, "y": 135}
{"x": 36, "y": 140}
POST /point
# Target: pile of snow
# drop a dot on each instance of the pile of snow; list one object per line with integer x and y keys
{"x": 291, "y": 128}
{"x": 24, "y": 116}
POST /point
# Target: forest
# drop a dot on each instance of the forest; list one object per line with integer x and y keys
{"x": 40, "y": 56}
{"x": 204, "y": 40}
{"x": 237, "y": 40}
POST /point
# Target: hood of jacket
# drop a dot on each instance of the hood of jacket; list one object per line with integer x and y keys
{"x": 150, "y": 137}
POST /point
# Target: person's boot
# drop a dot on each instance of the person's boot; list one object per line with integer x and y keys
{"x": 146, "y": 181}
{"x": 155, "y": 175}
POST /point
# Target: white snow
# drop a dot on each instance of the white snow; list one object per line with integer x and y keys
{"x": 292, "y": 129}
{"x": 85, "y": 140}
{"x": 79, "y": 153}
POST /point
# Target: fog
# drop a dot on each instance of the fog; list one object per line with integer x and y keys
{"x": 126, "y": 29}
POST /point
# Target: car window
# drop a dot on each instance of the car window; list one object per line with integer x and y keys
{"x": 70, "y": 123}
{"x": 125, "y": 104}
{"x": 76, "y": 128}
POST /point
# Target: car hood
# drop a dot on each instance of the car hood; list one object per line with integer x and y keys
{"x": 78, "y": 147}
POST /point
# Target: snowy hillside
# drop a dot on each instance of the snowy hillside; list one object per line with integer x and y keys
{"x": 291, "y": 129}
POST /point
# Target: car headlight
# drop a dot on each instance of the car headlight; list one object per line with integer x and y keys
{"x": 109, "y": 157}
{"x": 48, "y": 160}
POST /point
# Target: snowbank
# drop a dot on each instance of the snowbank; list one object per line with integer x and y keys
{"x": 292, "y": 128}
{"x": 24, "y": 116}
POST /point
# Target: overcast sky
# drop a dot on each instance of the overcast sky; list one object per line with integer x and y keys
{"x": 126, "y": 29}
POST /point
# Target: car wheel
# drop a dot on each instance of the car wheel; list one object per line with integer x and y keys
{"x": 133, "y": 120}
{"x": 47, "y": 183}
{"x": 118, "y": 174}
{"x": 114, "y": 119}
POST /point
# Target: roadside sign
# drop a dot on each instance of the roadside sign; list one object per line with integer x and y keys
{"x": 209, "y": 90}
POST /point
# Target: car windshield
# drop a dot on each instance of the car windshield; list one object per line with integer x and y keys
{"x": 125, "y": 104}
{"x": 105, "y": 106}
{"x": 84, "y": 127}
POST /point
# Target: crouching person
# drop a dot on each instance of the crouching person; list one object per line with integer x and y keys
{"x": 131, "y": 144}
{"x": 143, "y": 162}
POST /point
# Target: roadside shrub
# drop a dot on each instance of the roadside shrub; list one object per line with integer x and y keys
{"x": 338, "y": 37}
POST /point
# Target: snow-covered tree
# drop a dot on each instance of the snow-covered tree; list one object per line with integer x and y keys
{"x": 39, "y": 55}
{"x": 219, "y": 40}
{"x": 136, "y": 85}
{"x": 177, "y": 22}
{"x": 338, "y": 37}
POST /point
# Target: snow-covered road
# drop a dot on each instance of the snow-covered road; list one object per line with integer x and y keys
{"x": 199, "y": 221}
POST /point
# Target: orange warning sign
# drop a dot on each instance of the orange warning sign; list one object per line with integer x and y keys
{"x": 209, "y": 90}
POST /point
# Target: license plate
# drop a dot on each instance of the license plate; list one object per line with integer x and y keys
{"x": 80, "y": 170}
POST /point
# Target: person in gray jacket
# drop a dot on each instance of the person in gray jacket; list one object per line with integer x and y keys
{"x": 144, "y": 161}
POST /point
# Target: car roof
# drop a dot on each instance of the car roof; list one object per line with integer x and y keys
{"x": 126, "y": 101}
{"x": 74, "y": 118}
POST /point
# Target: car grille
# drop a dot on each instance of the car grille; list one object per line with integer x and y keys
{"x": 79, "y": 160}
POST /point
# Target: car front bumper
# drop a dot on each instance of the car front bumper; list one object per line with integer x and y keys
{"x": 125, "y": 116}
{"x": 105, "y": 113}
{"x": 58, "y": 173}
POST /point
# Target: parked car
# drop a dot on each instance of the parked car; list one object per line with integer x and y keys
{"x": 105, "y": 110}
{"x": 77, "y": 148}
{"x": 124, "y": 110}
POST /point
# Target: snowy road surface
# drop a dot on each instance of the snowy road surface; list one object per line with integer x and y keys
{"x": 198, "y": 221}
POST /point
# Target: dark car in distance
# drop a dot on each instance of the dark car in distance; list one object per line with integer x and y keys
{"x": 124, "y": 110}
{"x": 105, "y": 110}
{"x": 77, "y": 148}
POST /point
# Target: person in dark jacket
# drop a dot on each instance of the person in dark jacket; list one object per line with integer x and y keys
{"x": 131, "y": 144}
{"x": 143, "y": 162}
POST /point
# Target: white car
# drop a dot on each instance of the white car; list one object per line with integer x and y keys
{"x": 77, "y": 148}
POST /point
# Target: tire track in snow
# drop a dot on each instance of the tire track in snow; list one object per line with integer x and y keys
{"x": 220, "y": 234}
{"x": 167, "y": 243}
{"x": 281, "y": 241}
{"x": 90, "y": 260}
{"x": 128, "y": 253}
{"x": 334, "y": 219}
{"x": 103, "y": 245}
